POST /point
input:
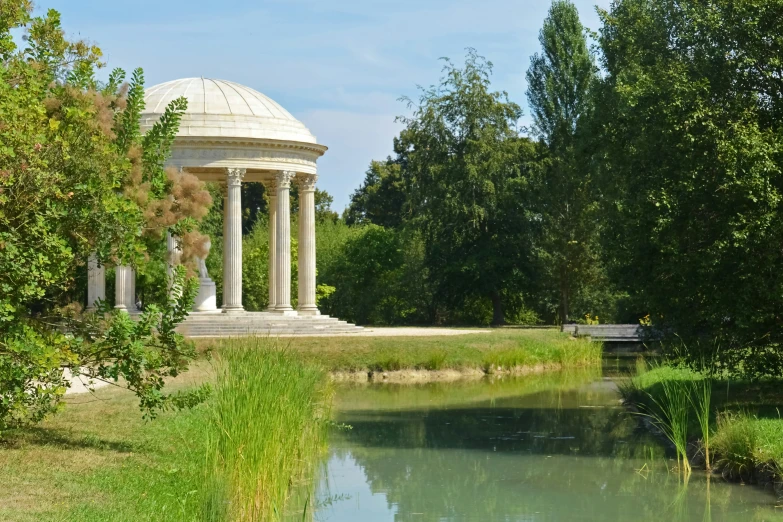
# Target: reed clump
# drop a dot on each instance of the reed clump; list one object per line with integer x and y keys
{"x": 268, "y": 422}
{"x": 667, "y": 406}
{"x": 689, "y": 406}
{"x": 747, "y": 445}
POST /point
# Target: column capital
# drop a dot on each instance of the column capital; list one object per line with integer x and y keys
{"x": 306, "y": 182}
{"x": 270, "y": 185}
{"x": 284, "y": 178}
{"x": 234, "y": 177}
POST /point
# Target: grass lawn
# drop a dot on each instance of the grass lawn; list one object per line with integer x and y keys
{"x": 97, "y": 460}
{"x": 486, "y": 351}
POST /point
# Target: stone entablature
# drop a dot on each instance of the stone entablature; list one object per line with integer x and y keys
{"x": 262, "y": 155}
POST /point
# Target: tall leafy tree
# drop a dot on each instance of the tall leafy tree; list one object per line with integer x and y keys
{"x": 693, "y": 162}
{"x": 560, "y": 81}
{"x": 461, "y": 150}
{"x": 381, "y": 198}
{"x": 76, "y": 177}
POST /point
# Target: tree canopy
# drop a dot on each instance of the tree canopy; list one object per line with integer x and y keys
{"x": 689, "y": 118}
{"x": 77, "y": 177}
{"x": 461, "y": 149}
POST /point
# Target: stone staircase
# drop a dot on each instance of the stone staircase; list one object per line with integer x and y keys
{"x": 262, "y": 323}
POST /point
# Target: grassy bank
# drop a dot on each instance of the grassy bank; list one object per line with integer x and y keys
{"x": 238, "y": 457}
{"x": 733, "y": 427}
{"x": 248, "y": 452}
{"x": 487, "y": 351}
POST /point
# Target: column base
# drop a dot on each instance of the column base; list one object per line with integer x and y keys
{"x": 121, "y": 308}
{"x": 288, "y": 312}
{"x": 233, "y": 310}
{"x": 206, "y": 300}
{"x": 309, "y": 311}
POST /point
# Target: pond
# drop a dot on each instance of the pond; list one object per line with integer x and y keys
{"x": 550, "y": 447}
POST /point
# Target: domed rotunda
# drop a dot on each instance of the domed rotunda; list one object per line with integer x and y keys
{"x": 232, "y": 134}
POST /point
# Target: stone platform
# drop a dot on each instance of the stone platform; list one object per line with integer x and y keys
{"x": 217, "y": 324}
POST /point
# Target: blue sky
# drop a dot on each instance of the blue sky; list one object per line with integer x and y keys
{"x": 339, "y": 66}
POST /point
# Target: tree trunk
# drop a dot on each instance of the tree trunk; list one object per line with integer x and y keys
{"x": 564, "y": 296}
{"x": 498, "y": 318}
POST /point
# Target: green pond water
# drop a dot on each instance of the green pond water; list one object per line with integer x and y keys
{"x": 547, "y": 447}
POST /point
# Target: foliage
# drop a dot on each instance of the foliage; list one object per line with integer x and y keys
{"x": 381, "y": 198}
{"x": 690, "y": 158}
{"x": 460, "y": 149}
{"x": 745, "y": 442}
{"x": 560, "y": 84}
{"x": 77, "y": 176}
{"x": 142, "y": 352}
{"x": 268, "y": 426}
{"x": 255, "y": 267}
{"x": 379, "y": 279}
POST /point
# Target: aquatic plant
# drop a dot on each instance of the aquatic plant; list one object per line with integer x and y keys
{"x": 268, "y": 424}
{"x": 735, "y": 441}
{"x": 701, "y": 399}
{"x": 667, "y": 407}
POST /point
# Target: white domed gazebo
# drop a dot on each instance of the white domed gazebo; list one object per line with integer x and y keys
{"x": 232, "y": 134}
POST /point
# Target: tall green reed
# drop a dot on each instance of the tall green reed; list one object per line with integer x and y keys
{"x": 268, "y": 426}
{"x": 667, "y": 406}
{"x": 701, "y": 399}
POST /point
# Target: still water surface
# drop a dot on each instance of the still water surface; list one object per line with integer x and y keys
{"x": 553, "y": 447}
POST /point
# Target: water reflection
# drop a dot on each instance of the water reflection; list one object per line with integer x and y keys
{"x": 549, "y": 447}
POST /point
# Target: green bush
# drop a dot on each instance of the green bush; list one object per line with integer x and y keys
{"x": 378, "y": 277}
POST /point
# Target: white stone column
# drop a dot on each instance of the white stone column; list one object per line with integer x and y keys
{"x": 96, "y": 281}
{"x": 132, "y": 308}
{"x": 283, "y": 245}
{"x": 306, "y": 258}
{"x": 174, "y": 256}
{"x": 271, "y": 189}
{"x": 122, "y": 288}
{"x": 224, "y": 189}
{"x": 232, "y": 242}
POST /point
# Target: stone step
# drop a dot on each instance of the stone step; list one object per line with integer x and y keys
{"x": 262, "y": 323}
{"x": 191, "y": 328}
{"x": 263, "y": 328}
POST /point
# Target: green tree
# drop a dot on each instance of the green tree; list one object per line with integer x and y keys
{"x": 323, "y": 204}
{"x": 381, "y": 198}
{"x": 76, "y": 177}
{"x": 690, "y": 113}
{"x": 461, "y": 151}
{"x": 560, "y": 81}
{"x": 379, "y": 278}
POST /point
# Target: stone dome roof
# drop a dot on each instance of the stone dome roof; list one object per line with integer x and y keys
{"x": 222, "y": 109}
